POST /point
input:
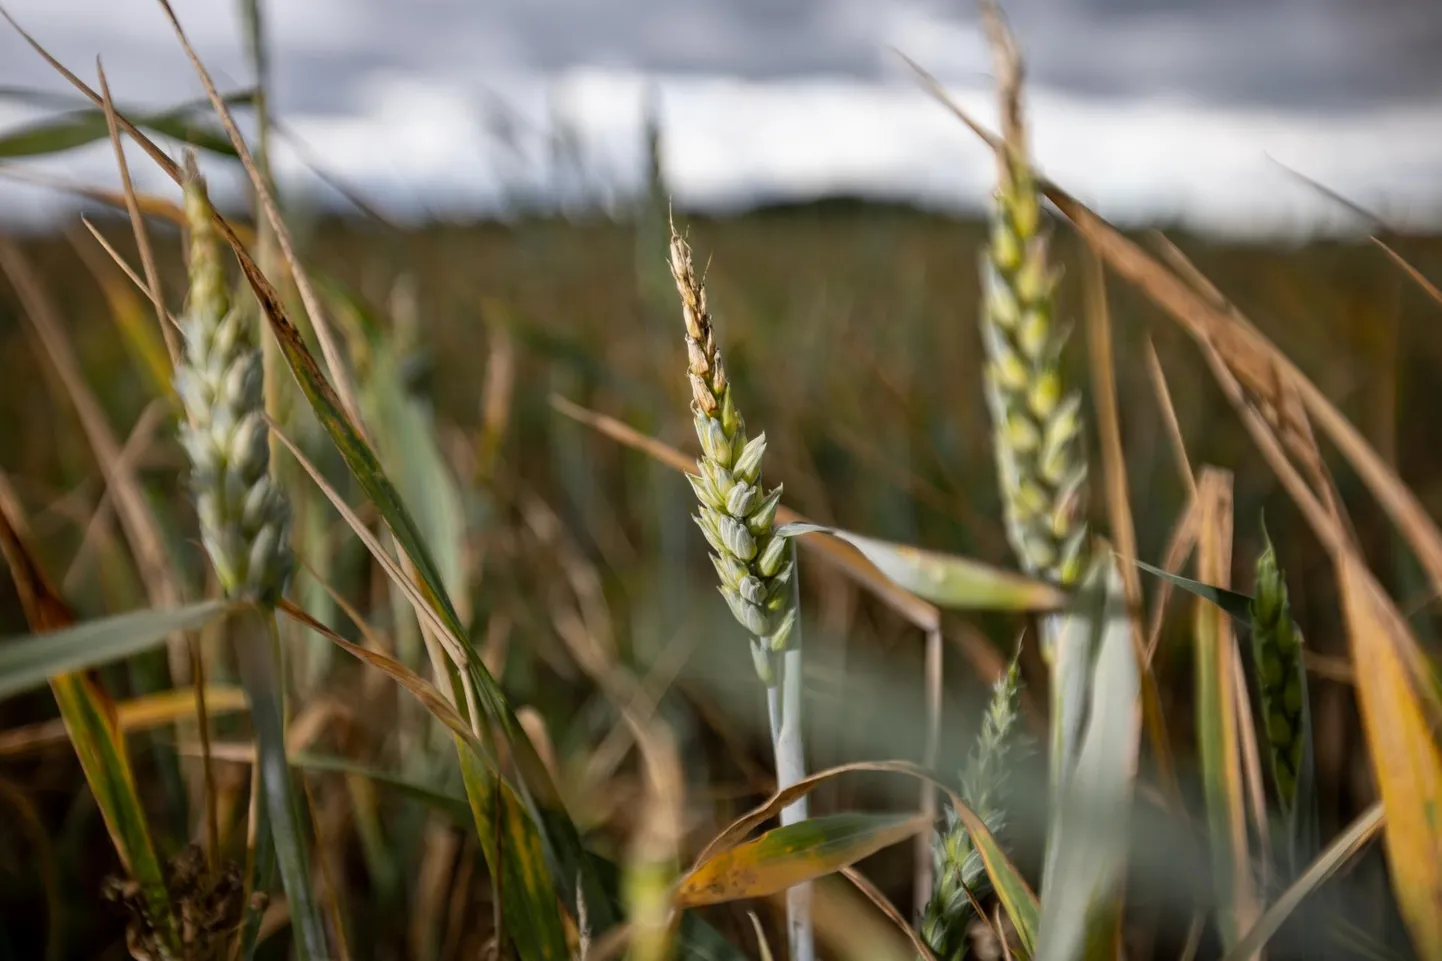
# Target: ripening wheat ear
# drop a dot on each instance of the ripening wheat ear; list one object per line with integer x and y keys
{"x": 244, "y": 516}
{"x": 1036, "y": 419}
{"x": 737, "y": 513}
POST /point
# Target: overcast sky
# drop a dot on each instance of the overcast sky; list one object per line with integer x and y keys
{"x": 1147, "y": 108}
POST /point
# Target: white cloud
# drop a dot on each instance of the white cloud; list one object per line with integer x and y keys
{"x": 418, "y": 141}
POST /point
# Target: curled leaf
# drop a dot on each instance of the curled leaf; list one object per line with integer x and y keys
{"x": 946, "y": 579}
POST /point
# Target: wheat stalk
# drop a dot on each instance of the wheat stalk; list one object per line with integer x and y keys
{"x": 1036, "y": 419}
{"x": 244, "y": 525}
{"x": 756, "y": 566}
{"x": 957, "y": 865}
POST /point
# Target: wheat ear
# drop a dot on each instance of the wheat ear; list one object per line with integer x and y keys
{"x": 737, "y": 513}
{"x": 244, "y": 516}
{"x": 1277, "y": 653}
{"x": 1036, "y": 419}
{"x": 757, "y": 567}
{"x": 957, "y": 865}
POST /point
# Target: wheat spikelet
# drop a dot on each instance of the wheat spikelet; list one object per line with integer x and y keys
{"x": 737, "y": 513}
{"x": 957, "y": 866}
{"x": 1277, "y": 652}
{"x": 244, "y": 516}
{"x": 1036, "y": 420}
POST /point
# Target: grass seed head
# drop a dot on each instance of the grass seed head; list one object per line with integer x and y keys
{"x": 244, "y": 516}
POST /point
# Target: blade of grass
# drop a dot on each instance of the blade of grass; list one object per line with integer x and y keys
{"x": 1217, "y": 716}
{"x": 1119, "y": 512}
{"x": 137, "y": 223}
{"x": 27, "y": 662}
{"x": 1169, "y": 417}
{"x": 1179, "y": 547}
{"x": 78, "y": 128}
{"x": 147, "y": 349}
{"x": 131, "y": 717}
{"x": 1234, "y": 603}
{"x": 260, "y": 870}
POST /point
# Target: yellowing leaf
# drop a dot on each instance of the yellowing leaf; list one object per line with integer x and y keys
{"x": 795, "y": 854}
{"x": 946, "y": 579}
{"x": 1404, "y": 757}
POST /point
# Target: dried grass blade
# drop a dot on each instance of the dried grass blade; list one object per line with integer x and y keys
{"x": 137, "y": 223}
{"x": 131, "y": 716}
{"x": 877, "y": 897}
{"x": 1343, "y": 848}
{"x": 1217, "y": 715}
{"x": 335, "y": 361}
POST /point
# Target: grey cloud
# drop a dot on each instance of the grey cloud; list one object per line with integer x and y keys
{"x": 1322, "y": 55}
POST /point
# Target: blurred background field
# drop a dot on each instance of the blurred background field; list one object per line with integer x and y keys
{"x": 849, "y": 327}
{"x": 851, "y": 333}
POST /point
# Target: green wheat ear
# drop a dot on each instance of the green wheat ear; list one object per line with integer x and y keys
{"x": 244, "y": 516}
{"x": 956, "y": 864}
{"x": 1036, "y": 420}
{"x": 737, "y": 513}
{"x": 1281, "y": 677}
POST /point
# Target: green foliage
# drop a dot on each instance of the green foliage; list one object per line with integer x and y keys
{"x": 27, "y": 662}
{"x": 77, "y": 128}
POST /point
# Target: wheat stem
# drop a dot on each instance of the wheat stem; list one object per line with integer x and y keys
{"x": 1036, "y": 418}
{"x": 757, "y": 568}
{"x": 244, "y": 525}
